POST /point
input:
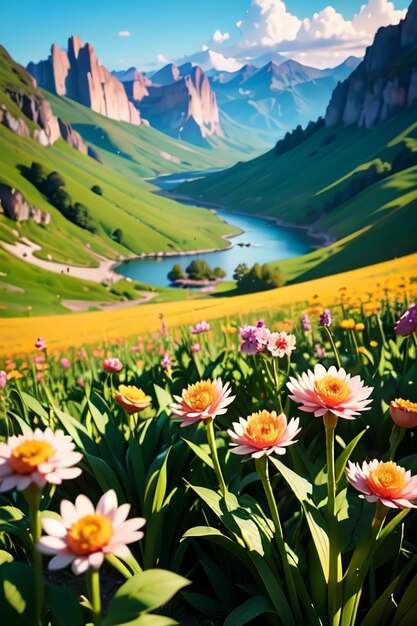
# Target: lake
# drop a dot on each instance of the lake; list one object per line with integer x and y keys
{"x": 269, "y": 242}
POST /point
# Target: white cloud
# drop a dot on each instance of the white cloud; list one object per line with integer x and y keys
{"x": 124, "y": 33}
{"x": 323, "y": 39}
{"x": 268, "y": 22}
{"x": 219, "y": 37}
{"x": 162, "y": 59}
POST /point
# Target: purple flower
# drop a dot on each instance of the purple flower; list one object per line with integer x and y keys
{"x": 407, "y": 323}
{"x": 166, "y": 361}
{"x": 306, "y": 322}
{"x": 195, "y": 348}
{"x": 320, "y": 351}
{"x": 40, "y": 344}
{"x": 325, "y": 318}
{"x": 3, "y": 379}
{"x": 200, "y": 327}
{"x": 260, "y": 324}
{"x": 249, "y": 341}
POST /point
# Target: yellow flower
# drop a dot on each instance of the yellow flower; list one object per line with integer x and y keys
{"x": 348, "y": 324}
{"x": 373, "y": 344}
{"x": 228, "y": 329}
{"x": 360, "y": 326}
{"x": 132, "y": 398}
{"x": 14, "y": 374}
{"x": 362, "y": 350}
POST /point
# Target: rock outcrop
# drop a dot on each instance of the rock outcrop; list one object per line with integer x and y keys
{"x": 384, "y": 83}
{"x": 14, "y": 206}
{"x": 78, "y": 75}
{"x": 185, "y": 109}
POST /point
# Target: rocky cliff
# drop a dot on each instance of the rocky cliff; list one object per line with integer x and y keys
{"x": 186, "y": 108}
{"x": 384, "y": 83}
{"x": 14, "y": 206}
{"x": 78, "y": 75}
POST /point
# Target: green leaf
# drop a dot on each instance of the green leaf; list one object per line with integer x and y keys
{"x": 5, "y": 557}
{"x": 100, "y": 420}
{"x": 17, "y": 598}
{"x": 274, "y": 589}
{"x": 302, "y": 488}
{"x": 104, "y": 475}
{"x": 217, "y": 537}
{"x": 343, "y": 458}
{"x": 13, "y": 596}
{"x": 64, "y": 606}
{"x": 382, "y": 610}
{"x": 35, "y": 406}
{"x": 164, "y": 398}
{"x": 249, "y": 610}
{"x": 142, "y": 593}
{"x": 406, "y": 613}
{"x": 152, "y": 620}
{"x": 198, "y": 451}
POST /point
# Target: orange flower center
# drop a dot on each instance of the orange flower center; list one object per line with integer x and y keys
{"x": 406, "y": 405}
{"x": 386, "y": 479}
{"x": 26, "y": 457}
{"x": 332, "y": 390}
{"x": 265, "y": 428}
{"x": 200, "y": 396}
{"x": 89, "y": 534}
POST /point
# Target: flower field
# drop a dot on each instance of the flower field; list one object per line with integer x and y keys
{"x": 256, "y": 469}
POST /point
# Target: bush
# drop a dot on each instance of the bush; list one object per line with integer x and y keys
{"x": 176, "y": 273}
{"x": 260, "y": 278}
{"x": 118, "y": 235}
{"x": 97, "y": 190}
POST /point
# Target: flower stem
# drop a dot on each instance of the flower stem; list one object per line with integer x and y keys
{"x": 263, "y": 471}
{"x": 335, "y": 350}
{"x": 212, "y": 443}
{"x": 397, "y": 435}
{"x": 330, "y": 422}
{"x": 93, "y": 584}
{"x": 33, "y": 498}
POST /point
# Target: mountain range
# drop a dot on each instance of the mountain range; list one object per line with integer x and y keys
{"x": 195, "y": 101}
{"x": 349, "y": 179}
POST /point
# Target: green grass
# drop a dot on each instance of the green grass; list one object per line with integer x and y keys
{"x": 375, "y": 225}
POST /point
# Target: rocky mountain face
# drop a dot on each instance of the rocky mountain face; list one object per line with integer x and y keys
{"x": 279, "y": 96}
{"x": 78, "y": 75}
{"x": 384, "y": 83}
{"x": 14, "y": 206}
{"x": 24, "y": 96}
{"x": 179, "y": 102}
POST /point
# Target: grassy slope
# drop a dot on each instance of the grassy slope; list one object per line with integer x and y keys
{"x": 18, "y": 335}
{"x": 372, "y": 226}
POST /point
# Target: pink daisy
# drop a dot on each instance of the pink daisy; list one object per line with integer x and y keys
{"x": 112, "y": 365}
{"x": 263, "y": 433}
{"x": 85, "y": 535}
{"x": 201, "y": 401}
{"x": 281, "y": 344}
{"x": 387, "y": 482}
{"x": 334, "y": 390}
{"x": 38, "y": 458}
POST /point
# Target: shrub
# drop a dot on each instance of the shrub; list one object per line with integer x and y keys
{"x": 97, "y": 190}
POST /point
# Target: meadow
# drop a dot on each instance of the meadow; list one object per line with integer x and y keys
{"x": 250, "y": 467}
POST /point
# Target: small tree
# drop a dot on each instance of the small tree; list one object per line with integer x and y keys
{"x": 53, "y": 182}
{"x": 240, "y": 271}
{"x": 218, "y": 272}
{"x": 97, "y": 190}
{"x": 118, "y": 235}
{"x": 176, "y": 273}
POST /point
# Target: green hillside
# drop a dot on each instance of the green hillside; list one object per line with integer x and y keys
{"x": 313, "y": 185}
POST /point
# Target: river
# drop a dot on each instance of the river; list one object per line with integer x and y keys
{"x": 268, "y": 242}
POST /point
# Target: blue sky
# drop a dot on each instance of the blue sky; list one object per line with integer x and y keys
{"x": 172, "y": 28}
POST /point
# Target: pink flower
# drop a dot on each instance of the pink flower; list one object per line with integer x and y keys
{"x": 333, "y": 390}
{"x": 65, "y": 363}
{"x": 202, "y": 401}
{"x": 85, "y": 535}
{"x": 166, "y": 362}
{"x": 200, "y": 327}
{"x": 196, "y": 347}
{"x": 281, "y": 344}
{"x": 3, "y": 379}
{"x": 387, "y": 482}
{"x": 80, "y": 381}
{"x": 38, "y": 458}
{"x": 40, "y": 344}
{"x": 263, "y": 433}
{"x": 112, "y": 365}
{"x": 403, "y": 413}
